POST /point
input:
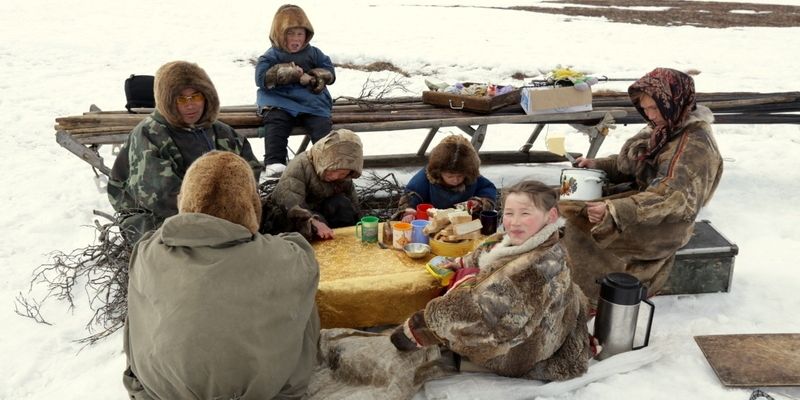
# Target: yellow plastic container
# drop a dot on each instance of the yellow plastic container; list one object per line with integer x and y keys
{"x": 449, "y": 249}
{"x": 436, "y": 268}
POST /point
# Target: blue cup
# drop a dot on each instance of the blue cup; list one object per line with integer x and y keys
{"x": 417, "y": 235}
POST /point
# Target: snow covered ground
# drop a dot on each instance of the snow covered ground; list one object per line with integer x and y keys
{"x": 57, "y": 58}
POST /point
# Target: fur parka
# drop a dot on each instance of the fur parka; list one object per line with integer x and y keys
{"x": 149, "y": 169}
{"x": 216, "y": 311}
{"x": 289, "y": 16}
{"x": 453, "y": 154}
{"x": 173, "y": 77}
{"x": 523, "y": 316}
{"x": 222, "y": 184}
{"x": 293, "y": 97}
{"x": 301, "y": 191}
{"x": 644, "y": 227}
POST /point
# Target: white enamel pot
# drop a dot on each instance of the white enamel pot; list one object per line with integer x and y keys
{"x": 582, "y": 184}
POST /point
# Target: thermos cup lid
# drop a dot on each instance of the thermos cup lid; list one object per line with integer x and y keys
{"x": 622, "y": 288}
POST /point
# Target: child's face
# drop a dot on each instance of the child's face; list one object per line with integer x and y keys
{"x": 295, "y": 39}
{"x": 333, "y": 175}
{"x": 452, "y": 178}
{"x": 522, "y": 219}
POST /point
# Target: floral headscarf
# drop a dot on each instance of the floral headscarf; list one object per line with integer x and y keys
{"x": 673, "y": 93}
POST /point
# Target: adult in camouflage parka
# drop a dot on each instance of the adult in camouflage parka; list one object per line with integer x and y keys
{"x": 149, "y": 170}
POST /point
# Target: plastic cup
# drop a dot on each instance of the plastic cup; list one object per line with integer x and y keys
{"x": 488, "y": 222}
{"x": 369, "y": 229}
{"x": 417, "y": 235}
{"x": 401, "y": 235}
{"x": 422, "y": 210}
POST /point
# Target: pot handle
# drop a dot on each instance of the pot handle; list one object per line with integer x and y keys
{"x": 595, "y": 180}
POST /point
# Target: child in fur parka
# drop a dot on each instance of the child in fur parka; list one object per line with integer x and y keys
{"x": 316, "y": 192}
{"x": 452, "y": 176}
{"x": 292, "y": 78}
{"x": 520, "y": 314}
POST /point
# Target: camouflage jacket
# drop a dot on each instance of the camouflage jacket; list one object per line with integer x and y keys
{"x": 149, "y": 169}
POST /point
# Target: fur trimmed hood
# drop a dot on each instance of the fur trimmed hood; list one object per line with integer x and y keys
{"x": 341, "y": 149}
{"x": 506, "y": 249}
{"x": 453, "y": 154}
{"x": 175, "y": 76}
{"x": 221, "y": 184}
{"x": 700, "y": 114}
{"x": 289, "y": 16}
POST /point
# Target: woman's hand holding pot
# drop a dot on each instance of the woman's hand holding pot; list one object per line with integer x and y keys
{"x": 582, "y": 162}
{"x": 596, "y": 211}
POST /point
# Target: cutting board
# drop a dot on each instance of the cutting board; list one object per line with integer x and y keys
{"x": 753, "y": 359}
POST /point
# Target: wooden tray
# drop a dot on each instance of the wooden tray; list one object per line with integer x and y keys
{"x": 481, "y": 104}
{"x": 753, "y": 360}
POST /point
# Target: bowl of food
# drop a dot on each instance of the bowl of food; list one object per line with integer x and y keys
{"x": 452, "y": 249}
{"x": 417, "y": 250}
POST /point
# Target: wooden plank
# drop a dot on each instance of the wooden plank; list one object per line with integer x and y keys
{"x": 96, "y": 130}
{"x": 532, "y": 138}
{"x": 478, "y": 137}
{"x": 632, "y": 117}
{"x": 85, "y": 154}
{"x": 487, "y": 158}
{"x": 573, "y": 118}
{"x": 121, "y": 136}
{"x": 427, "y": 141}
{"x": 752, "y": 360}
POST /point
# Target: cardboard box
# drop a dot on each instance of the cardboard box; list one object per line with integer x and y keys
{"x": 550, "y": 100}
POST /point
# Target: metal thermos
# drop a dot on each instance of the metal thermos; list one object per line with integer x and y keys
{"x": 617, "y": 313}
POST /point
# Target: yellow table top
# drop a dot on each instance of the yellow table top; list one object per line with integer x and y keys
{"x": 362, "y": 284}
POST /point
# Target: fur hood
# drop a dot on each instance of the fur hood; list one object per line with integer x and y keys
{"x": 175, "y": 76}
{"x": 289, "y": 16}
{"x": 453, "y": 154}
{"x": 341, "y": 149}
{"x": 506, "y": 249}
{"x": 700, "y": 114}
{"x": 221, "y": 184}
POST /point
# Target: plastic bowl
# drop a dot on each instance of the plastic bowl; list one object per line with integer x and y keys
{"x": 451, "y": 249}
{"x": 417, "y": 250}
